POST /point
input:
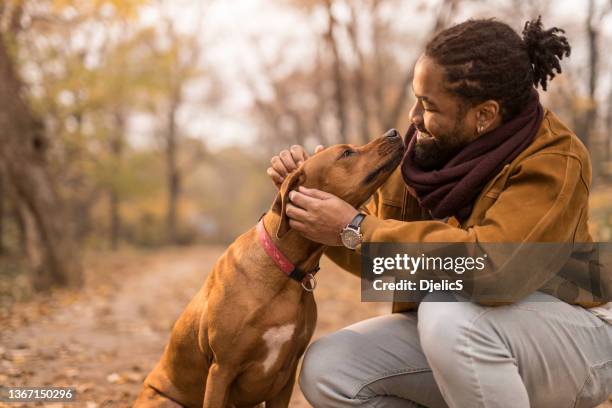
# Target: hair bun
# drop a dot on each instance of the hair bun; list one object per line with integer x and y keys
{"x": 545, "y": 49}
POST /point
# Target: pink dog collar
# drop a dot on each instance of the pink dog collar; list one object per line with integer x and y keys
{"x": 282, "y": 262}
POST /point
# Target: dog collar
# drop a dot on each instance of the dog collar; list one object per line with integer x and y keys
{"x": 293, "y": 271}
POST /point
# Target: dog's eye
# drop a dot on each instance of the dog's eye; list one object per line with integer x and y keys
{"x": 348, "y": 152}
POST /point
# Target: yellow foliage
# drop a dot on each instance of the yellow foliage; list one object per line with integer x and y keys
{"x": 600, "y": 223}
{"x": 123, "y": 8}
{"x": 601, "y": 198}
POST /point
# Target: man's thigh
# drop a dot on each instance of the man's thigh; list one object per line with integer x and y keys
{"x": 373, "y": 359}
{"x": 559, "y": 348}
{"x": 563, "y": 353}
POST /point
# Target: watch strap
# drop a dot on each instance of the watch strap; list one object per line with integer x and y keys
{"x": 356, "y": 222}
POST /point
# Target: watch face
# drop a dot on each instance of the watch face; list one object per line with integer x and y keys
{"x": 350, "y": 238}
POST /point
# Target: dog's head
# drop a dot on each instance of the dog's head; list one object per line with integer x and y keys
{"x": 346, "y": 171}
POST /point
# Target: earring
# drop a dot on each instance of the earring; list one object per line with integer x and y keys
{"x": 480, "y": 129}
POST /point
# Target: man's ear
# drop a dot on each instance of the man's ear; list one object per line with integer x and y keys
{"x": 488, "y": 113}
{"x": 293, "y": 181}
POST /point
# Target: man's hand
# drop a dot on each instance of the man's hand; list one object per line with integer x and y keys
{"x": 319, "y": 216}
{"x": 287, "y": 161}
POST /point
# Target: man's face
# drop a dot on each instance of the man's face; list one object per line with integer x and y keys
{"x": 444, "y": 124}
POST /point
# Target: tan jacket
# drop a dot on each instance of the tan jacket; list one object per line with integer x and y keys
{"x": 541, "y": 196}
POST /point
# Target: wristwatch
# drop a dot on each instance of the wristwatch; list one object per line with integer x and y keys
{"x": 351, "y": 234}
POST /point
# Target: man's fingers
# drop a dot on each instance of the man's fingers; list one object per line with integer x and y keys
{"x": 287, "y": 160}
{"x": 319, "y": 148}
{"x": 278, "y": 166}
{"x": 313, "y": 192}
{"x": 299, "y": 154}
{"x": 302, "y": 200}
{"x": 296, "y": 213}
{"x": 276, "y": 178}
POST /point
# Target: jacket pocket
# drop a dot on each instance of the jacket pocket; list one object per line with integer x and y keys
{"x": 597, "y": 386}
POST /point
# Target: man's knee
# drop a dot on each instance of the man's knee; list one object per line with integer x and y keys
{"x": 313, "y": 368}
{"x": 444, "y": 329}
{"x": 338, "y": 369}
{"x": 320, "y": 375}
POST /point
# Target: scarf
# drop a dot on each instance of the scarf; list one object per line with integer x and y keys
{"x": 452, "y": 189}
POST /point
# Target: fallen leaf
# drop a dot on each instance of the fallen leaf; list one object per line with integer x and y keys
{"x": 71, "y": 372}
{"x": 82, "y": 388}
{"x": 115, "y": 378}
{"x": 133, "y": 377}
{"x": 112, "y": 378}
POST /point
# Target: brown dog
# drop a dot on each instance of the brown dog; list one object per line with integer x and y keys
{"x": 239, "y": 340}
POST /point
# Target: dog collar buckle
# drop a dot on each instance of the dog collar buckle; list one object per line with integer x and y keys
{"x": 312, "y": 282}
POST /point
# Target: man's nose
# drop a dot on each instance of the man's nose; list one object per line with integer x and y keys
{"x": 416, "y": 114}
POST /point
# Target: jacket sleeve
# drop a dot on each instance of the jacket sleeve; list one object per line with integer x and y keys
{"x": 344, "y": 257}
{"x": 542, "y": 202}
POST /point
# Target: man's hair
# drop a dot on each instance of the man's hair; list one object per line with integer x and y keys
{"x": 486, "y": 59}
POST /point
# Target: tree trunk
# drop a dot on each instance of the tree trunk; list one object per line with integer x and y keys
{"x": 2, "y": 215}
{"x": 608, "y": 152}
{"x": 360, "y": 79}
{"x": 591, "y": 111}
{"x": 447, "y": 10}
{"x": 117, "y": 153}
{"x": 31, "y": 186}
{"x": 22, "y": 239}
{"x": 320, "y": 110}
{"x": 115, "y": 219}
{"x": 173, "y": 174}
{"x": 380, "y": 83}
{"x": 338, "y": 82}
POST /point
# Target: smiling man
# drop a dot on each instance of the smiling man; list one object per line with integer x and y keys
{"x": 485, "y": 162}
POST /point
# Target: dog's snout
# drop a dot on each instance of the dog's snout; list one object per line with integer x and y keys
{"x": 392, "y": 133}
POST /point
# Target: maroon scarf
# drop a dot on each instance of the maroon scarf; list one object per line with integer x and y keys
{"x": 452, "y": 189}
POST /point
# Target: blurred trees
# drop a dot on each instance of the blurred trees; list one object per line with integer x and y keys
{"x": 48, "y": 236}
{"x": 172, "y": 68}
{"x": 89, "y": 70}
{"x": 103, "y": 97}
{"x": 76, "y": 90}
{"x": 355, "y": 81}
{"x": 355, "y": 84}
{"x": 589, "y": 121}
{"x": 582, "y": 95}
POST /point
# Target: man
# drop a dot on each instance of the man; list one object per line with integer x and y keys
{"x": 485, "y": 163}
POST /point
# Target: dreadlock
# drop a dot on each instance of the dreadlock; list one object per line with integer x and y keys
{"x": 486, "y": 59}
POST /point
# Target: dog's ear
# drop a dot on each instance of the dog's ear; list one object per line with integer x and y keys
{"x": 293, "y": 181}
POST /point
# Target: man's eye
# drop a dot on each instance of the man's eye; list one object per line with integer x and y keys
{"x": 348, "y": 152}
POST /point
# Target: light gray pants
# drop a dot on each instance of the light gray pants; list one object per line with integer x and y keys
{"x": 540, "y": 352}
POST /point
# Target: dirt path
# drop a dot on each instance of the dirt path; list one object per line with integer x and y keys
{"x": 105, "y": 339}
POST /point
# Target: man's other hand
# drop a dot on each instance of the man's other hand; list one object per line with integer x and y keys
{"x": 287, "y": 161}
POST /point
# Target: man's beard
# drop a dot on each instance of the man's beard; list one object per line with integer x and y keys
{"x": 433, "y": 154}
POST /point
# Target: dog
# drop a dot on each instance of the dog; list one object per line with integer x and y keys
{"x": 239, "y": 340}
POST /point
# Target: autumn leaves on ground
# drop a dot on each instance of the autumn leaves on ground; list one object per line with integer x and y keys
{"x": 104, "y": 339}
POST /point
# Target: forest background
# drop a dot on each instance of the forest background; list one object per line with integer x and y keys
{"x": 135, "y": 137}
{"x": 151, "y": 123}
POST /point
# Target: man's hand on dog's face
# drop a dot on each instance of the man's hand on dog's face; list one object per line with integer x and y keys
{"x": 287, "y": 161}
{"x": 319, "y": 216}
